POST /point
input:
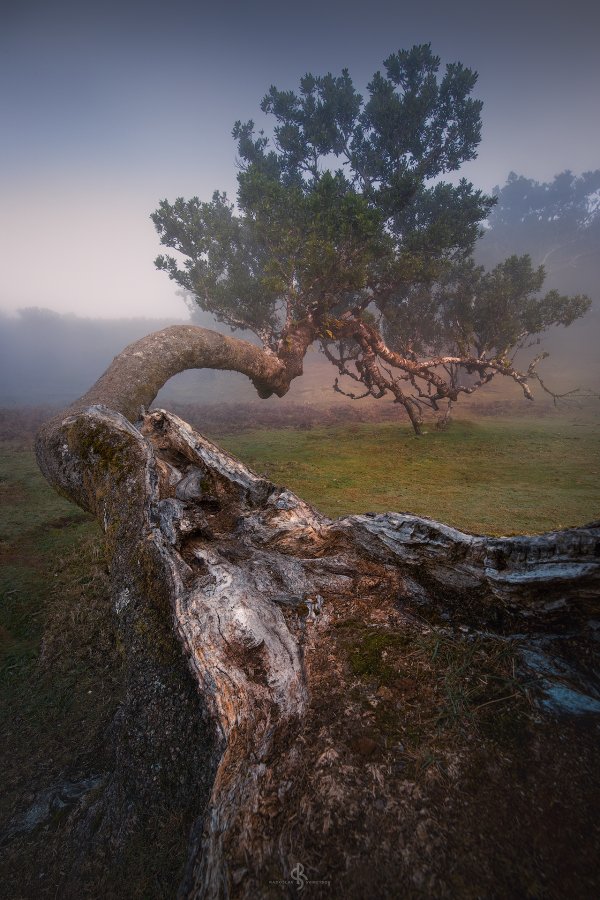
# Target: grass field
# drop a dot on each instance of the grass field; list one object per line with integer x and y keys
{"x": 61, "y": 683}
{"x": 494, "y": 476}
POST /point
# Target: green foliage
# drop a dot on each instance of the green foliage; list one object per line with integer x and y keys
{"x": 473, "y": 312}
{"x": 336, "y": 209}
{"x": 498, "y": 309}
{"x": 341, "y": 213}
{"x": 556, "y": 222}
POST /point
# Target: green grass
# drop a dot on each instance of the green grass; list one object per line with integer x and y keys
{"x": 26, "y": 501}
{"x": 490, "y": 477}
{"x": 56, "y": 678}
{"x": 60, "y": 674}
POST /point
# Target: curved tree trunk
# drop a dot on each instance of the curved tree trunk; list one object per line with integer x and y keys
{"x": 336, "y": 662}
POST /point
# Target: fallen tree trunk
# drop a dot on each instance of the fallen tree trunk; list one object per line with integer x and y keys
{"x": 354, "y": 675}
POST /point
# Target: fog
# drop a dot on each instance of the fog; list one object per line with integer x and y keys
{"x": 50, "y": 359}
{"x": 107, "y": 109}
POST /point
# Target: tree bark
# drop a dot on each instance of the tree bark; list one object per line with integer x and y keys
{"x": 315, "y": 648}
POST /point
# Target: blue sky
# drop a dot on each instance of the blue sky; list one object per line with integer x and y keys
{"x": 107, "y": 108}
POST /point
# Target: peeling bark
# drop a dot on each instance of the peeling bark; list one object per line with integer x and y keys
{"x": 272, "y": 604}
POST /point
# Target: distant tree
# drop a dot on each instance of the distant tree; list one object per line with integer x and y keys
{"x": 343, "y": 235}
{"x": 556, "y": 222}
{"x": 567, "y": 202}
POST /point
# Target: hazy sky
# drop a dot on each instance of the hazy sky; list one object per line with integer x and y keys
{"x": 106, "y": 108}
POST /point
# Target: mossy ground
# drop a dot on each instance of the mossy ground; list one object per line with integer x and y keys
{"x": 432, "y": 689}
{"x": 52, "y": 586}
{"x": 60, "y": 673}
{"x": 460, "y": 787}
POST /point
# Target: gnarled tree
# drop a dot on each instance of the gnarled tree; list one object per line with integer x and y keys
{"x": 349, "y": 740}
{"x": 370, "y": 260}
{"x": 368, "y": 720}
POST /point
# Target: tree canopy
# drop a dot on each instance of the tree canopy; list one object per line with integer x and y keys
{"x": 345, "y": 234}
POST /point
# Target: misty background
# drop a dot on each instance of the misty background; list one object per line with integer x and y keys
{"x": 106, "y": 110}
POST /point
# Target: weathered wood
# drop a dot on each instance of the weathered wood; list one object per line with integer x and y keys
{"x": 262, "y": 592}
